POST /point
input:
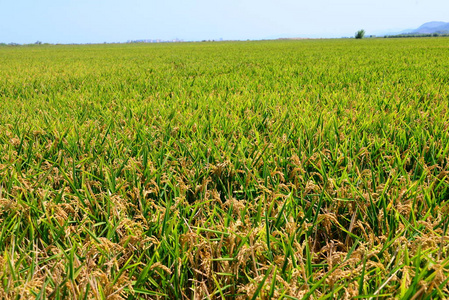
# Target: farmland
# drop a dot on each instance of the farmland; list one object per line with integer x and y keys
{"x": 275, "y": 169}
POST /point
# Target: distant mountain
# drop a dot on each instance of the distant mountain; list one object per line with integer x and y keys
{"x": 431, "y": 27}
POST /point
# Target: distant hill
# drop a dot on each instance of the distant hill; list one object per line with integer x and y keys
{"x": 432, "y": 27}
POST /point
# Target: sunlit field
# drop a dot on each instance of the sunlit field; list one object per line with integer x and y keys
{"x": 310, "y": 169}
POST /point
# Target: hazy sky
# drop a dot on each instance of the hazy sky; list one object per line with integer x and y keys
{"x": 90, "y": 21}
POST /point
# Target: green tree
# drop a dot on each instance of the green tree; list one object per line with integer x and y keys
{"x": 360, "y": 34}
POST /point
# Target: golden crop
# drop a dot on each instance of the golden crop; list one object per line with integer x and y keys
{"x": 278, "y": 169}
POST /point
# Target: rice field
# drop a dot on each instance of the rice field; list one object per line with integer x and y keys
{"x": 310, "y": 169}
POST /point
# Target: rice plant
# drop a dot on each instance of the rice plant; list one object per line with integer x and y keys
{"x": 313, "y": 169}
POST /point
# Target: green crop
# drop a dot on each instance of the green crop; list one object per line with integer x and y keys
{"x": 313, "y": 169}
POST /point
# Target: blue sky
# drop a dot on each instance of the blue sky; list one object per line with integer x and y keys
{"x": 96, "y": 21}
